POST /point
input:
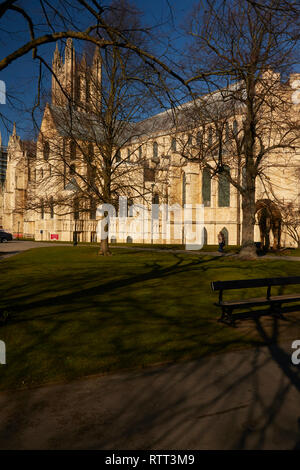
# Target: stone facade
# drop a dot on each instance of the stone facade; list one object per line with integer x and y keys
{"x": 166, "y": 178}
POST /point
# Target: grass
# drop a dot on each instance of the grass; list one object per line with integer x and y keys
{"x": 73, "y": 313}
{"x": 156, "y": 246}
{"x": 206, "y": 248}
{"x": 289, "y": 252}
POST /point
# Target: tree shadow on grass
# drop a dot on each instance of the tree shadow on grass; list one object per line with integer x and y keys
{"x": 240, "y": 400}
{"x": 155, "y": 271}
{"x": 234, "y": 401}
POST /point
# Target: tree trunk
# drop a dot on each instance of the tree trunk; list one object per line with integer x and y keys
{"x": 248, "y": 250}
{"x": 104, "y": 248}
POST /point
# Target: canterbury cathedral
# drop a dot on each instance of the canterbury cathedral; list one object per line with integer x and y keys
{"x": 84, "y": 157}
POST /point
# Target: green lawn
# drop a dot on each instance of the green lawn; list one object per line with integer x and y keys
{"x": 206, "y": 248}
{"x": 73, "y": 313}
{"x": 160, "y": 246}
{"x": 289, "y": 252}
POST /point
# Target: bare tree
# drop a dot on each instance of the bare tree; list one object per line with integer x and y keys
{"x": 291, "y": 222}
{"x": 63, "y": 19}
{"x": 91, "y": 149}
{"x": 239, "y": 50}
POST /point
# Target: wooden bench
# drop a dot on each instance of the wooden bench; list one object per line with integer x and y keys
{"x": 274, "y": 301}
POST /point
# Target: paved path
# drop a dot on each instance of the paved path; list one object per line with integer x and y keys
{"x": 241, "y": 400}
{"x": 17, "y": 246}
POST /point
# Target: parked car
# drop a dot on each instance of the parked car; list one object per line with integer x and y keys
{"x": 5, "y": 236}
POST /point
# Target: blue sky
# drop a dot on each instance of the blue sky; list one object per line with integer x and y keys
{"x": 20, "y": 76}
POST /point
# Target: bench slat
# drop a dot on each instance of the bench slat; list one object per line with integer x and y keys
{"x": 255, "y": 301}
{"x": 285, "y": 298}
{"x": 248, "y": 283}
{"x": 260, "y": 300}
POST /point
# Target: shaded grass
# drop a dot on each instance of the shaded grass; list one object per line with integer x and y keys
{"x": 73, "y": 313}
{"x": 156, "y": 246}
{"x": 289, "y": 252}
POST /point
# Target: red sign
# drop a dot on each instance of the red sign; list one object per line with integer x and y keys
{"x": 54, "y": 236}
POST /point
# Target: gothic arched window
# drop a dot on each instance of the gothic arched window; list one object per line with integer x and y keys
{"x": 93, "y": 208}
{"x": 90, "y": 152}
{"x": 130, "y": 208}
{"x": 88, "y": 89}
{"x": 155, "y": 149}
{"x": 210, "y": 136}
{"x": 204, "y": 234}
{"x": 76, "y": 208}
{"x": 46, "y": 151}
{"x": 199, "y": 138}
{"x": 155, "y": 199}
{"x": 42, "y": 209}
{"x": 173, "y": 144}
{"x": 224, "y": 188}
{"x": 226, "y": 235}
{"x": 227, "y": 131}
{"x": 72, "y": 150}
{"x": 155, "y": 209}
{"x": 235, "y": 127}
{"x": 51, "y": 208}
{"x": 244, "y": 177}
{"x": 183, "y": 189}
{"x": 206, "y": 187}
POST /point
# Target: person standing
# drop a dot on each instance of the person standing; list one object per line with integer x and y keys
{"x": 221, "y": 241}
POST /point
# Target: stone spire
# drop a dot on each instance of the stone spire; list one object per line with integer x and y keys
{"x": 97, "y": 55}
{"x": 58, "y": 72}
{"x": 69, "y": 50}
{"x": 56, "y": 56}
{"x": 96, "y": 81}
{"x": 14, "y": 138}
{"x": 70, "y": 69}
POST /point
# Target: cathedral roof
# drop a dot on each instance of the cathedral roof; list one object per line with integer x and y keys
{"x": 83, "y": 126}
{"x": 76, "y": 124}
{"x": 190, "y": 115}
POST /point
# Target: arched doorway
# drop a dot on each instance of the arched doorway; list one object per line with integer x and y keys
{"x": 226, "y": 235}
{"x": 269, "y": 220}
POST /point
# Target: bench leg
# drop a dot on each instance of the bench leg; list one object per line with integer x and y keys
{"x": 227, "y": 315}
{"x": 223, "y": 315}
{"x": 276, "y": 311}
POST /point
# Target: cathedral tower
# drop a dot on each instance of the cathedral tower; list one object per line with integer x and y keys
{"x": 76, "y": 82}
